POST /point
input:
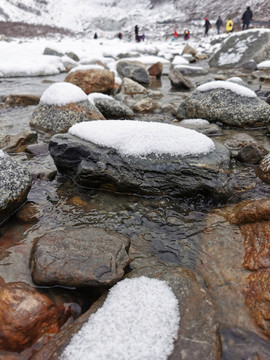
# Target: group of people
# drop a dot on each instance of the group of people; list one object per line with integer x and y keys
{"x": 246, "y": 19}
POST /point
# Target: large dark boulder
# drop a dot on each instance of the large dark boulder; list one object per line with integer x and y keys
{"x": 81, "y": 257}
{"x": 136, "y": 72}
{"x": 242, "y": 47}
{"x": 91, "y": 165}
{"x": 15, "y": 183}
{"x": 226, "y": 106}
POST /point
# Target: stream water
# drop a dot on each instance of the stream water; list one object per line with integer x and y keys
{"x": 167, "y": 228}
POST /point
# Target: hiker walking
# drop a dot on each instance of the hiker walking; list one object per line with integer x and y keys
{"x": 207, "y": 26}
{"x": 229, "y": 26}
{"x": 219, "y": 23}
{"x": 246, "y": 18}
{"x": 136, "y": 33}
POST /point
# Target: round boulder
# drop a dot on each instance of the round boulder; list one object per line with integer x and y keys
{"x": 26, "y": 315}
{"x": 92, "y": 80}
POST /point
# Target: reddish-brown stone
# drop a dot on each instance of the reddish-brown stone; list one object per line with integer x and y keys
{"x": 258, "y": 299}
{"x": 156, "y": 69}
{"x": 251, "y": 211}
{"x": 93, "y": 80}
{"x": 26, "y": 315}
{"x": 257, "y": 245}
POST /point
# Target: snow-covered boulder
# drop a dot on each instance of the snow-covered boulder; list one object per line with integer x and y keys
{"x": 227, "y": 102}
{"x": 144, "y": 157}
{"x": 242, "y": 47}
{"x": 61, "y": 106}
{"x": 92, "y": 80}
{"x": 15, "y": 183}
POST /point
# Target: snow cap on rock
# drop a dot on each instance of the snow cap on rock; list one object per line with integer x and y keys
{"x": 62, "y": 93}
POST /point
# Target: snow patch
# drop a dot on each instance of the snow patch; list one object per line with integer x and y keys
{"x": 194, "y": 122}
{"x": 236, "y": 88}
{"x": 264, "y": 65}
{"x": 93, "y": 96}
{"x": 2, "y": 154}
{"x": 139, "y": 138}
{"x": 86, "y": 67}
{"x": 62, "y": 93}
{"x": 139, "y": 320}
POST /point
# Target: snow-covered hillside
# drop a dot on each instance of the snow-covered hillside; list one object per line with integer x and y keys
{"x": 155, "y": 17}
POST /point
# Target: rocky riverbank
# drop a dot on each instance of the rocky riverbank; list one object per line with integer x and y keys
{"x": 84, "y": 215}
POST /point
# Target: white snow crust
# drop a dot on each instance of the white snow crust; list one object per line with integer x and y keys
{"x": 86, "y": 67}
{"x": 139, "y": 138}
{"x": 63, "y": 93}
{"x": 264, "y": 65}
{"x": 194, "y": 122}
{"x": 236, "y": 88}
{"x": 93, "y": 96}
{"x": 139, "y": 320}
{"x": 2, "y": 154}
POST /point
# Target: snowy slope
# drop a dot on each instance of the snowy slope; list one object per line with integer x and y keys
{"x": 116, "y": 15}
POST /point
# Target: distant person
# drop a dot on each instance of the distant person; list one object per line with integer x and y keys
{"x": 136, "y": 32}
{"x": 175, "y": 34}
{"x": 186, "y": 34}
{"x": 120, "y": 35}
{"x": 219, "y": 23}
{"x": 143, "y": 37}
{"x": 207, "y": 26}
{"x": 229, "y": 26}
{"x": 246, "y": 18}
{"x": 95, "y": 36}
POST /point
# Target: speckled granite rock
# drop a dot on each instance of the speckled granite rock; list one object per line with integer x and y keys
{"x": 15, "y": 183}
{"x": 55, "y": 118}
{"x": 225, "y": 106}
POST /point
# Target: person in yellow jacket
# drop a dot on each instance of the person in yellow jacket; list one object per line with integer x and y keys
{"x": 229, "y": 26}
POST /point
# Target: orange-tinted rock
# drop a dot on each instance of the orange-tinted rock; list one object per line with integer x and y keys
{"x": 26, "y": 315}
{"x": 251, "y": 211}
{"x": 258, "y": 299}
{"x": 156, "y": 69}
{"x": 257, "y": 245}
{"x": 93, "y": 80}
{"x": 18, "y": 142}
{"x": 27, "y": 213}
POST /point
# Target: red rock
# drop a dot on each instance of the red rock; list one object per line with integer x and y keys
{"x": 26, "y": 315}
{"x": 258, "y": 299}
{"x": 93, "y": 80}
{"x": 156, "y": 69}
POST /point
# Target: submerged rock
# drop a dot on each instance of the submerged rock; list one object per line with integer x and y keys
{"x": 80, "y": 257}
{"x": 15, "y": 183}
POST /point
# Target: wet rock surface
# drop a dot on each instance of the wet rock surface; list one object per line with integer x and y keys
{"x": 23, "y": 307}
{"x": 80, "y": 258}
{"x": 112, "y": 109}
{"x": 93, "y": 166}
